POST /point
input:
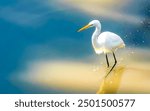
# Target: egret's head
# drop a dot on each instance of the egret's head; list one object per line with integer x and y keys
{"x": 93, "y": 23}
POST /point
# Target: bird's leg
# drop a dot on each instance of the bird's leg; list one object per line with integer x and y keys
{"x": 107, "y": 61}
{"x": 113, "y": 65}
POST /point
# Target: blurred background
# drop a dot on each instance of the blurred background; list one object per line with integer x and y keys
{"x": 41, "y": 51}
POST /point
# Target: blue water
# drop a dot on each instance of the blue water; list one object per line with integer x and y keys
{"x": 55, "y": 31}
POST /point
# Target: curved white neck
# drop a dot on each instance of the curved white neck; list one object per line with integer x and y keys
{"x": 95, "y": 35}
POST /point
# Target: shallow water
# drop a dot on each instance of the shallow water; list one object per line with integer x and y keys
{"x": 131, "y": 75}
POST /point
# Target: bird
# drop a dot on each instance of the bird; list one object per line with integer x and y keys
{"x": 104, "y": 42}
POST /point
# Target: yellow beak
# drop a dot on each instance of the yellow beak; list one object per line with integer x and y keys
{"x": 83, "y": 28}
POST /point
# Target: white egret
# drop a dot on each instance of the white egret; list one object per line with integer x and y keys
{"x": 105, "y": 42}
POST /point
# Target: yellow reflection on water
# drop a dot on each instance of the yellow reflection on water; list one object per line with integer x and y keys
{"x": 103, "y": 8}
{"x": 112, "y": 82}
{"x": 131, "y": 75}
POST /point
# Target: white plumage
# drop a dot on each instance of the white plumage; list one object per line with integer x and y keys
{"x": 108, "y": 42}
{"x": 105, "y": 42}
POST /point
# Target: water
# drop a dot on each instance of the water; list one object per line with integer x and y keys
{"x": 29, "y": 35}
